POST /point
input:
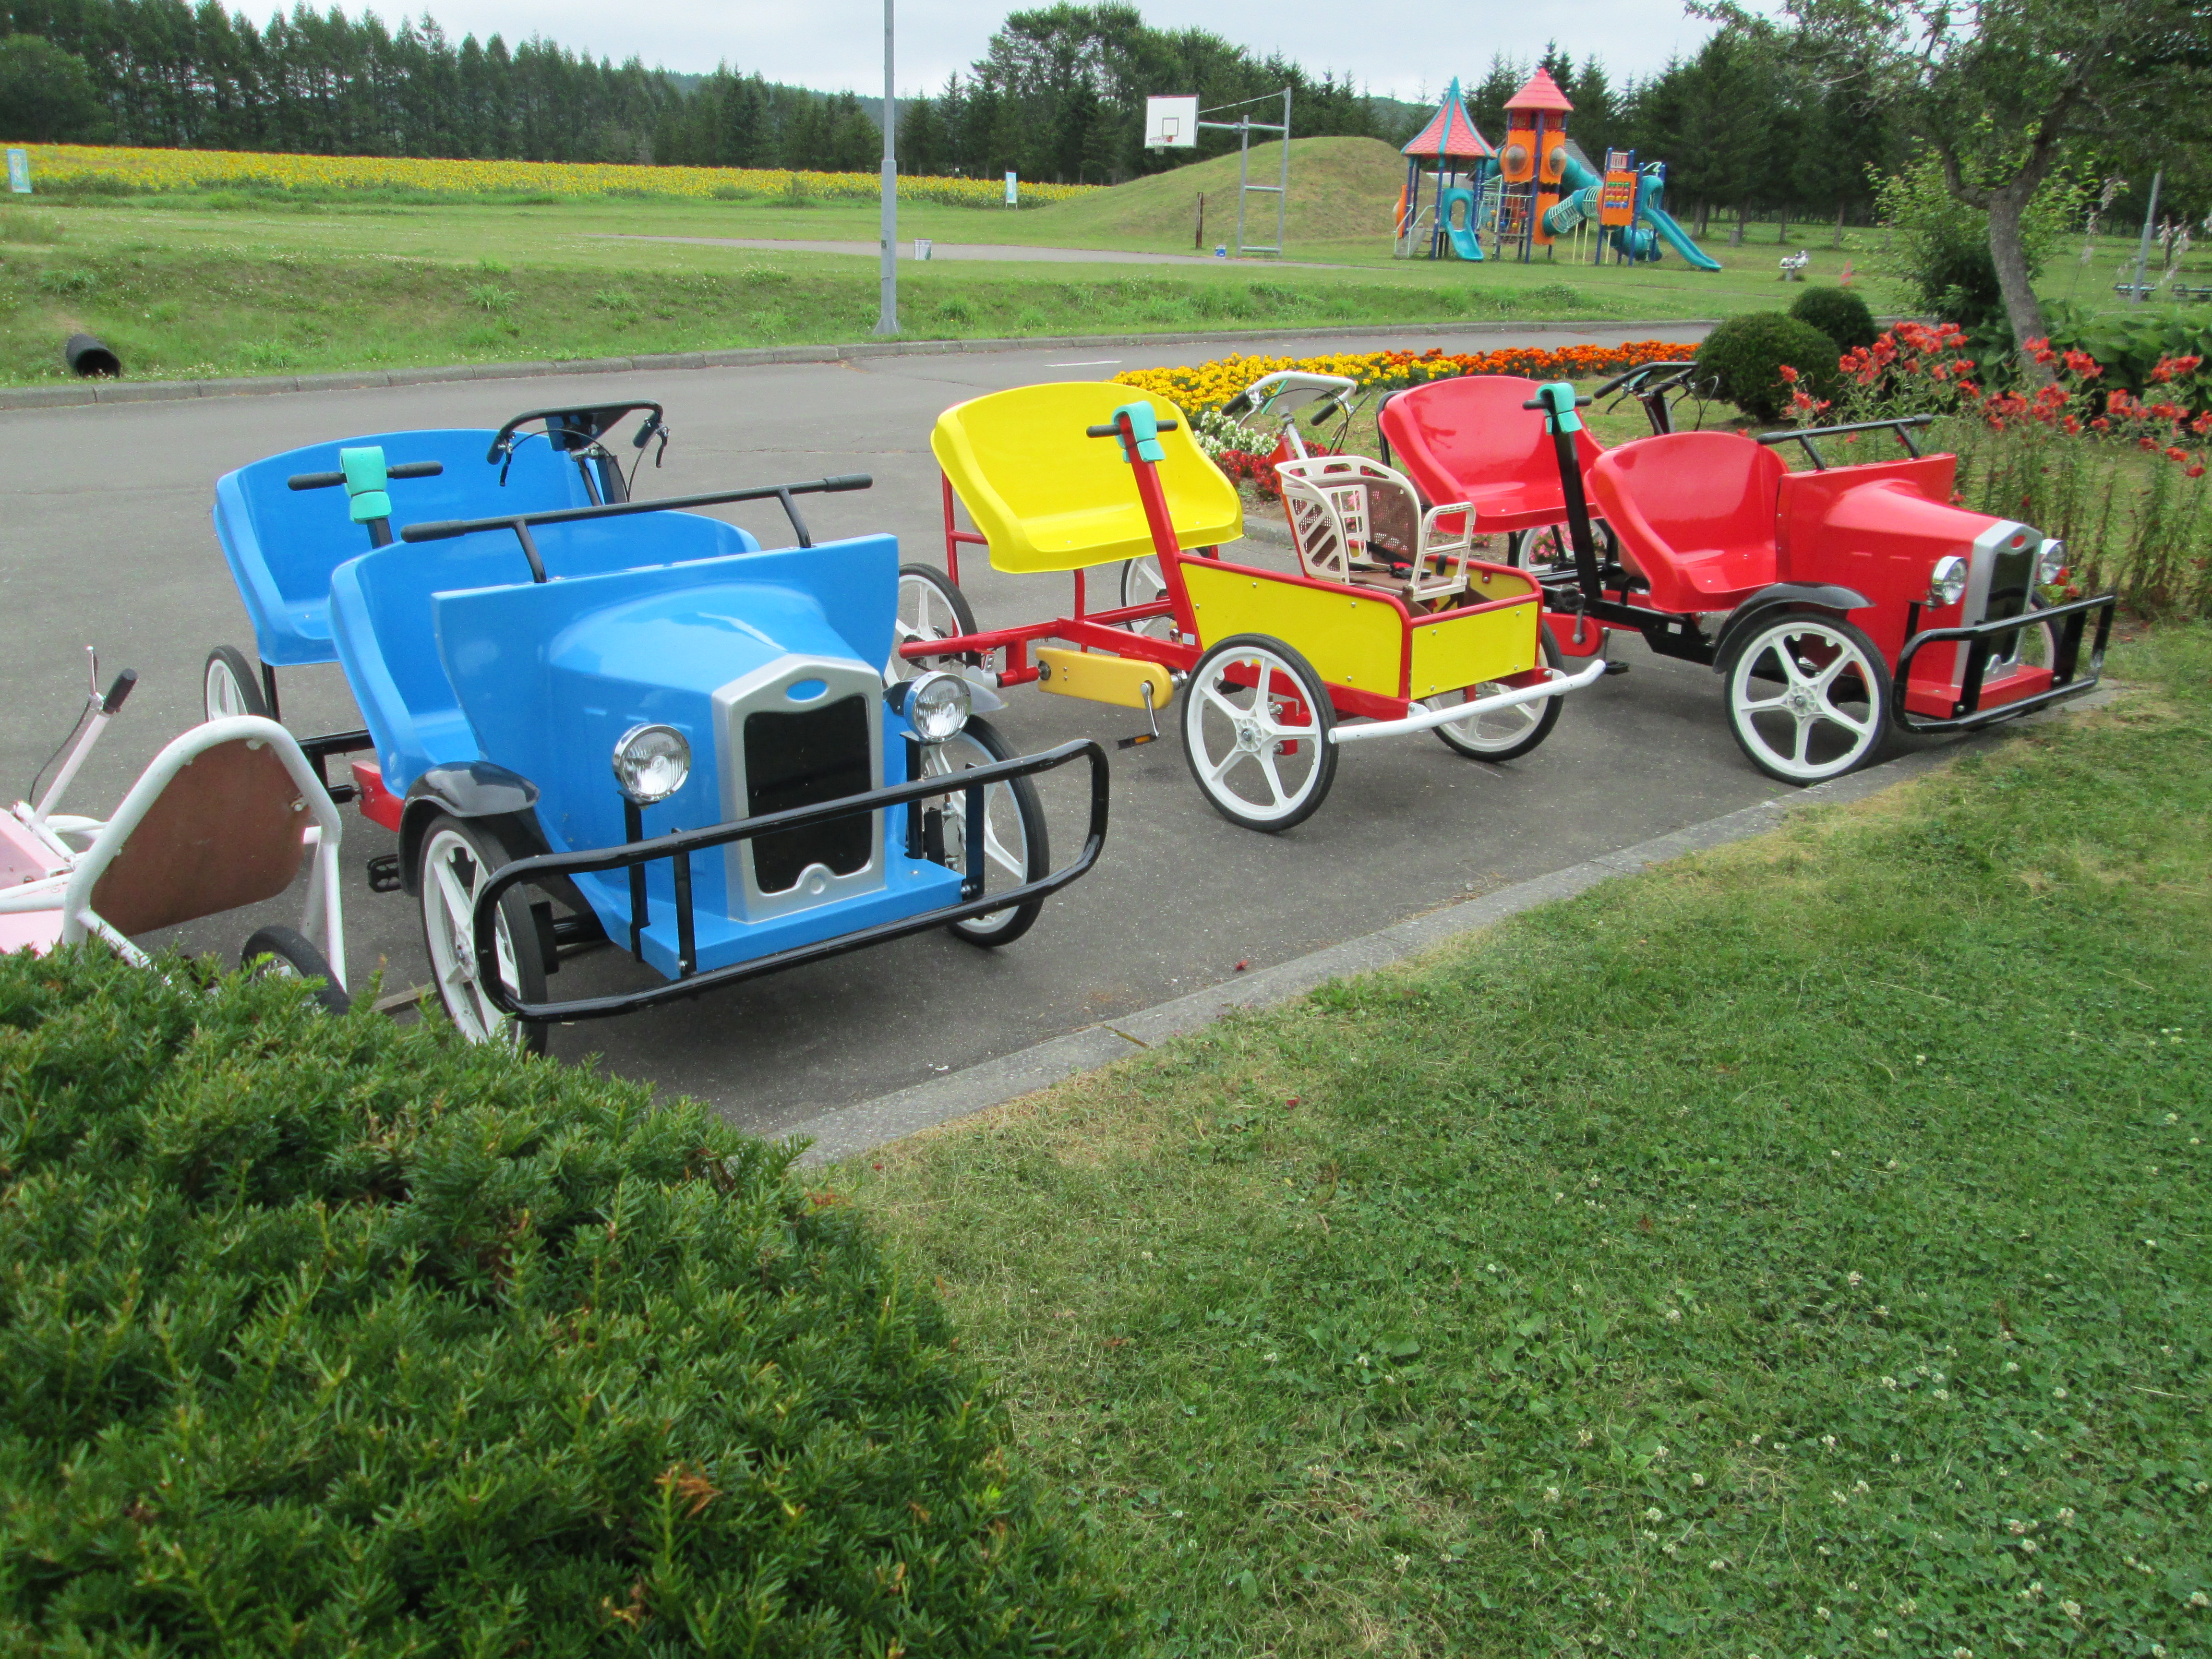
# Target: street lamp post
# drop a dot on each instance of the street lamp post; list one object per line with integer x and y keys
{"x": 887, "y": 318}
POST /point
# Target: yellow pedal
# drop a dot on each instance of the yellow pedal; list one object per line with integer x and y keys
{"x": 1102, "y": 678}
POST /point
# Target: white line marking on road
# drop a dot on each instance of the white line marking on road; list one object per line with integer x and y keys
{"x": 1088, "y": 362}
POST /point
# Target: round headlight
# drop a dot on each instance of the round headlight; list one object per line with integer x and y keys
{"x": 2050, "y": 563}
{"x": 651, "y": 763}
{"x": 1947, "y": 582}
{"x": 938, "y": 705}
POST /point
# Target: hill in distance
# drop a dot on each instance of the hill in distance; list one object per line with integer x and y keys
{"x": 1342, "y": 190}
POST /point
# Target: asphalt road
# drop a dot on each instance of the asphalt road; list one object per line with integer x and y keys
{"x": 1000, "y": 253}
{"x": 105, "y": 539}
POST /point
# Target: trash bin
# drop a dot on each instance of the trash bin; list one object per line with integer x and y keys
{"x": 1221, "y": 250}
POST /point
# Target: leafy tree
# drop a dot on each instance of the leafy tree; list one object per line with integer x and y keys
{"x": 45, "y": 94}
{"x": 1997, "y": 90}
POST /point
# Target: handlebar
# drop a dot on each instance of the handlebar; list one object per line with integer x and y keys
{"x": 332, "y": 480}
{"x": 1109, "y": 430}
{"x": 119, "y": 692}
{"x": 1543, "y": 408}
{"x": 1620, "y": 380}
{"x": 581, "y": 427}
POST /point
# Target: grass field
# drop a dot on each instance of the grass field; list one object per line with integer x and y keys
{"x": 1796, "y": 1250}
{"x": 219, "y": 282}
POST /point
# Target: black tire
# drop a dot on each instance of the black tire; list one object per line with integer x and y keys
{"x": 230, "y": 685}
{"x": 289, "y": 953}
{"x": 1017, "y": 800}
{"x": 925, "y": 593}
{"x": 1202, "y": 696}
{"x": 1764, "y": 659}
{"x": 1517, "y": 737}
{"x": 468, "y": 852}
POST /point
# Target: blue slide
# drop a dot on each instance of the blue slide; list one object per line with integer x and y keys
{"x": 1465, "y": 240}
{"x": 1649, "y": 211}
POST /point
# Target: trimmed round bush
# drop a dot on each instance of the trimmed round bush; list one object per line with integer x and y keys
{"x": 324, "y": 1336}
{"x": 1839, "y": 313}
{"x": 1746, "y": 355}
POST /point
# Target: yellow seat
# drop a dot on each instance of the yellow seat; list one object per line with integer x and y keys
{"x": 1048, "y": 498}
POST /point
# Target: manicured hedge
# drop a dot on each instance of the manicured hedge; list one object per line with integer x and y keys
{"x": 1746, "y": 355}
{"x": 323, "y": 1336}
{"x": 1839, "y": 313}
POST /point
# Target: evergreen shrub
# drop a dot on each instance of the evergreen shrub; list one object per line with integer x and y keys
{"x": 1840, "y": 314}
{"x": 324, "y": 1336}
{"x": 1746, "y": 355}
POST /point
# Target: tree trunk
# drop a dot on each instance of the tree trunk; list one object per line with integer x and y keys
{"x": 1735, "y": 230}
{"x": 1781, "y": 229}
{"x": 2022, "y": 310}
{"x": 1839, "y": 242}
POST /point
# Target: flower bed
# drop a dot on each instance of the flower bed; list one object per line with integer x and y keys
{"x": 1208, "y": 386}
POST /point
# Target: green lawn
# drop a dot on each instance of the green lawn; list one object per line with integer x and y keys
{"x": 1797, "y": 1250}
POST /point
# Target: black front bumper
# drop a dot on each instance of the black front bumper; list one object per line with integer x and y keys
{"x": 2068, "y": 621}
{"x": 683, "y": 843}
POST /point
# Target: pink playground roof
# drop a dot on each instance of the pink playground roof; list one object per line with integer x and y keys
{"x": 1450, "y": 132}
{"x": 1542, "y": 93}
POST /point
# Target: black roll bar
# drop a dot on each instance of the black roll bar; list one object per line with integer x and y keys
{"x": 1901, "y": 425}
{"x": 2066, "y": 680}
{"x": 680, "y": 844}
{"x": 444, "y": 529}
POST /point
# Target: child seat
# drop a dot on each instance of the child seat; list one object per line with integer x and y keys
{"x": 1333, "y": 501}
{"x": 1469, "y": 440}
{"x": 281, "y": 544}
{"x": 1695, "y": 511}
{"x": 1048, "y": 498}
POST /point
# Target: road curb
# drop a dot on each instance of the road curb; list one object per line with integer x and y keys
{"x": 848, "y": 1131}
{"x": 145, "y": 392}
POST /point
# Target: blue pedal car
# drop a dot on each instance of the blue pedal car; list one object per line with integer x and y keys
{"x": 624, "y": 722}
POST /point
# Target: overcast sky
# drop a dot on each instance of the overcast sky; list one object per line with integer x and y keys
{"x": 1402, "y": 48}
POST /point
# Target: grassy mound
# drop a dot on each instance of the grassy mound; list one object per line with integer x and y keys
{"x": 1342, "y": 190}
{"x": 318, "y": 1336}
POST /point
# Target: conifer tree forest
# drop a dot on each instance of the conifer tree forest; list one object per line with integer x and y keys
{"x": 1057, "y": 95}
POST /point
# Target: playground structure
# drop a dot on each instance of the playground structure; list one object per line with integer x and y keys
{"x": 1535, "y": 190}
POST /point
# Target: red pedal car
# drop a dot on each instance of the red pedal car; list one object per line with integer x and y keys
{"x": 1837, "y": 604}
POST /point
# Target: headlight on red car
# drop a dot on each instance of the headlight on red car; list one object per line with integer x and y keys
{"x": 2050, "y": 563}
{"x": 1947, "y": 582}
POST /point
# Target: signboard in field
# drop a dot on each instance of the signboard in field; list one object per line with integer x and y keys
{"x": 18, "y": 172}
{"x": 1013, "y": 191}
{"x": 1170, "y": 123}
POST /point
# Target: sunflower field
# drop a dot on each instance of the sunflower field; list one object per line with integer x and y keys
{"x": 98, "y": 167}
{"x": 1206, "y": 385}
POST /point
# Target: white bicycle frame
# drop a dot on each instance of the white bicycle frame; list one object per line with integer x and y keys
{"x": 69, "y": 888}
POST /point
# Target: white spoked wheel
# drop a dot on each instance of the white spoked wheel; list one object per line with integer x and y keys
{"x": 929, "y": 608}
{"x": 1809, "y": 698}
{"x": 1142, "y": 584}
{"x": 1550, "y": 551}
{"x": 457, "y": 859}
{"x": 1015, "y": 849}
{"x": 1256, "y": 732}
{"x": 1501, "y": 734}
{"x": 230, "y": 685}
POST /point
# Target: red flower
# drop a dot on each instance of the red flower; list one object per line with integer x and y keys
{"x": 2147, "y": 444}
{"x": 2195, "y": 471}
{"x": 1788, "y": 374}
{"x": 2177, "y": 454}
{"x": 2083, "y": 365}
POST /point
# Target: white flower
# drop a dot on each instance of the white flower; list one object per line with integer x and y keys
{"x": 1855, "y": 1279}
{"x": 1536, "y": 1536}
{"x": 1551, "y": 1494}
{"x": 1717, "y": 1564}
{"x": 2012, "y": 1365}
{"x": 1881, "y": 1634}
{"x": 1402, "y": 1562}
{"x": 1655, "y": 1516}
{"x": 2073, "y": 1609}
{"x": 1888, "y": 1381}
{"x": 1583, "y": 1437}
{"x": 2017, "y": 1529}
{"x": 2199, "y": 1599}
{"x": 1673, "y": 1315}
{"x": 1697, "y": 1480}
{"x": 1658, "y": 1454}
{"x": 2027, "y": 1546}
{"x": 1943, "y": 1393}
{"x": 1829, "y": 1441}
{"x": 1669, "y": 1548}
{"x": 2064, "y": 1515}
{"x": 1270, "y": 1358}
{"x": 2058, "y": 1393}
{"x": 1820, "y": 1613}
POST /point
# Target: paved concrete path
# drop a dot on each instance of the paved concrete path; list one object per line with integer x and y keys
{"x": 1005, "y": 252}
{"x": 105, "y": 539}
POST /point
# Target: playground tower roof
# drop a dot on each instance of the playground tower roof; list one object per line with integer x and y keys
{"x": 1542, "y": 93}
{"x": 1450, "y": 132}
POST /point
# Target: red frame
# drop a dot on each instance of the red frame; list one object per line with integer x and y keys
{"x": 1098, "y": 631}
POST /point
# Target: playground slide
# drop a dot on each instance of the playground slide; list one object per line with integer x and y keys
{"x": 1461, "y": 233}
{"x": 1651, "y": 213}
{"x": 1583, "y": 205}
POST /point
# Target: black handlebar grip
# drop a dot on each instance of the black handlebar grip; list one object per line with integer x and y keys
{"x": 314, "y": 480}
{"x": 849, "y": 481}
{"x": 438, "y": 530}
{"x": 1110, "y": 431}
{"x": 119, "y": 692}
{"x": 416, "y": 469}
